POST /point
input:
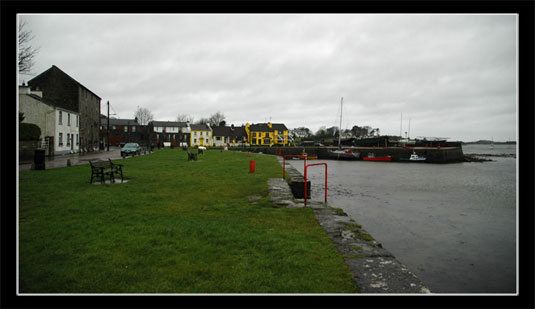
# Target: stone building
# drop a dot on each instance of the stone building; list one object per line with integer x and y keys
{"x": 123, "y": 131}
{"x": 67, "y": 93}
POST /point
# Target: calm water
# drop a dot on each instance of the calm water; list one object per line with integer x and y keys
{"x": 453, "y": 225}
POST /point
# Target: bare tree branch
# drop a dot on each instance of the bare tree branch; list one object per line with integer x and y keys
{"x": 26, "y": 51}
{"x": 184, "y": 118}
{"x": 216, "y": 119}
{"x": 143, "y": 115}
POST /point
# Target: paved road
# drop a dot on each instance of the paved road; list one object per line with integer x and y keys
{"x": 76, "y": 159}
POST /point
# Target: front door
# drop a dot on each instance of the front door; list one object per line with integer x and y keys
{"x": 72, "y": 141}
{"x": 201, "y": 141}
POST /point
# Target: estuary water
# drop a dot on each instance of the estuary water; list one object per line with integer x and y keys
{"x": 453, "y": 225}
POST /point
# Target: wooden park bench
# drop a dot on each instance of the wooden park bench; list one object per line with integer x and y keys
{"x": 100, "y": 169}
{"x": 192, "y": 156}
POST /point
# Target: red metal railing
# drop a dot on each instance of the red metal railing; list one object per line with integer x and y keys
{"x": 289, "y": 156}
{"x": 306, "y": 166}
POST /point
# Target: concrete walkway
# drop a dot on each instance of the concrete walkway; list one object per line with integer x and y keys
{"x": 76, "y": 159}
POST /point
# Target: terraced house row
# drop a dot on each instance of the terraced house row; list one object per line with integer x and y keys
{"x": 176, "y": 134}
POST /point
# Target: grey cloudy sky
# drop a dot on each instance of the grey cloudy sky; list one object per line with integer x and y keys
{"x": 453, "y": 75}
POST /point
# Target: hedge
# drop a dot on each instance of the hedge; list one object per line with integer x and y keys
{"x": 29, "y": 132}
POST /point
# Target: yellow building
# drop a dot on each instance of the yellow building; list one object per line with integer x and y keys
{"x": 267, "y": 134}
{"x": 201, "y": 135}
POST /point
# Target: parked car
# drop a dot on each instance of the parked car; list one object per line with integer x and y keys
{"x": 130, "y": 149}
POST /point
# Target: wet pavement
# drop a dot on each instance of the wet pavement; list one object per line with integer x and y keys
{"x": 76, "y": 159}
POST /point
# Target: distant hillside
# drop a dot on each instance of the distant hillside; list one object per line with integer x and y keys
{"x": 487, "y": 142}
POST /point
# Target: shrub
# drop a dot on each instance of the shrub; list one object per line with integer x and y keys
{"x": 29, "y": 132}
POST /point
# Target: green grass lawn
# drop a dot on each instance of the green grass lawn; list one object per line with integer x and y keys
{"x": 174, "y": 227}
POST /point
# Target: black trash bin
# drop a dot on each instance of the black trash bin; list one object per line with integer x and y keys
{"x": 39, "y": 159}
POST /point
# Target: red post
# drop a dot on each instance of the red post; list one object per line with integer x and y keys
{"x": 306, "y": 167}
{"x": 290, "y": 156}
{"x": 251, "y": 166}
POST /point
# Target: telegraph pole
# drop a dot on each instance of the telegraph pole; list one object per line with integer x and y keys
{"x": 108, "y": 128}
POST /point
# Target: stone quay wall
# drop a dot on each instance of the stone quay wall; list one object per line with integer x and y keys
{"x": 433, "y": 154}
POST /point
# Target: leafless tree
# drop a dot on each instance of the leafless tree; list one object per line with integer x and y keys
{"x": 203, "y": 121}
{"x": 26, "y": 51}
{"x": 216, "y": 119}
{"x": 184, "y": 118}
{"x": 143, "y": 115}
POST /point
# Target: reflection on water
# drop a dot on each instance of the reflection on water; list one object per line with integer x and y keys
{"x": 453, "y": 225}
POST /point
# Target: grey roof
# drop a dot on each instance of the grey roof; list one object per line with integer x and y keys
{"x": 229, "y": 131}
{"x": 169, "y": 124}
{"x": 118, "y": 122}
{"x": 199, "y": 127}
{"x": 279, "y": 126}
{"x": 263, "y": 127}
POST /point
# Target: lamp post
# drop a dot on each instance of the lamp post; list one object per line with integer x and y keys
{"x": 108, "y": 129}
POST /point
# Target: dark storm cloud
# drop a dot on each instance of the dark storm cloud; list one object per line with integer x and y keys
{"x": 452, "y": 75}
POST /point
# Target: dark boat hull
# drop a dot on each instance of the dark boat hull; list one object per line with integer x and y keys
{"x": 381, "y": 159}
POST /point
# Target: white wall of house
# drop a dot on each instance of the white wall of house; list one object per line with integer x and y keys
{"x": 167, "y": 129}
{"x": 220, "y": 140}
{"x": 38, "y": 113}
{"x": 201, "y": 138}
{"x": 67, "y": 138}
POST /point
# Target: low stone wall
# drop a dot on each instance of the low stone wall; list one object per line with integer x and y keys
{"x": 374, "y": 269}
{"x": 297, "y": 182}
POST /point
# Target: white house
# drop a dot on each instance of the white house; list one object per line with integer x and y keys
{"x": 60, "y": 128}
{"x": 201, "y": 135}
{"x": 169, "y": 132}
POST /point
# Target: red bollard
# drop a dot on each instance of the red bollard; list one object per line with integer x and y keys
{"x": 251, "y": 166}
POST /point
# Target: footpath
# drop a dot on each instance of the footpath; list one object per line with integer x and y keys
{"x": 375, "y": 269}
{"x": 75, "y": 159}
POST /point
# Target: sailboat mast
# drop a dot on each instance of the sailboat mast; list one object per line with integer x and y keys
{"x": 340, "y": 128}
{"x": 401, "y": 125}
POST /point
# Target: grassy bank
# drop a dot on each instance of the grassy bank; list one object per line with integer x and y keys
{"x": 174, "y": 227}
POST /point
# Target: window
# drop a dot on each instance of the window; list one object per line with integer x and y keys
{"x": 69, "y": 119}
{"x": 254, "y": 140}
{"x": 254, "y": 134}
{"x": 77, "y": 121}
{"x": 113, "y": 127}
{"x": 267, "y": 134}
{"x": 126, "y": 128}
{"x": 60, "y": 120}
{"x": 77, "y": 140}
{"x": 68, "y": 139}
{"x": 194, "y": 140}
{"x": 60, "y": 139}
{"x": 218, "y": 138}
{"x": 133, "y": 128}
